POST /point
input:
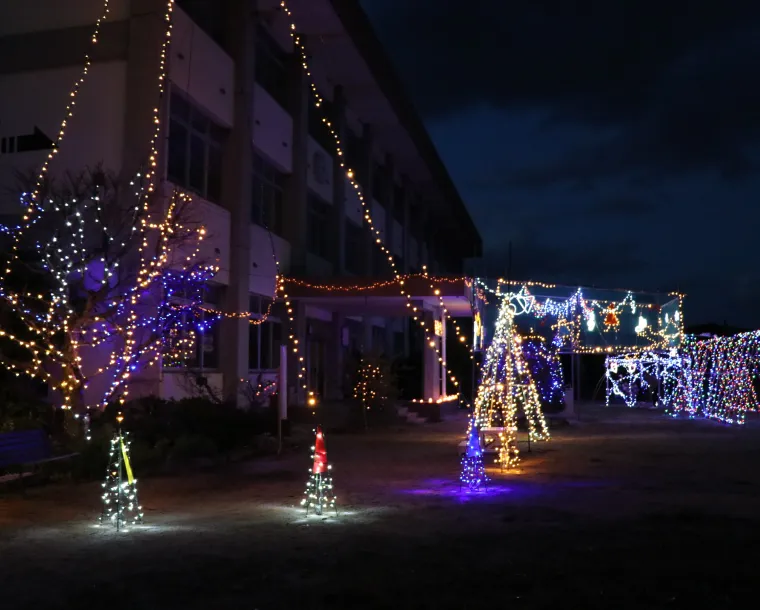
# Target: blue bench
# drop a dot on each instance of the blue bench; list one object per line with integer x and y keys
{"x": 26, "y": 448}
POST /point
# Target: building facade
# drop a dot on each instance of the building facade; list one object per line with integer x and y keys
{"x": 241, "y": 132}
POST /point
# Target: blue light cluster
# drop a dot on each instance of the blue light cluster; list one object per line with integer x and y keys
{"x": 545, "y": 369}
{"x": 473, "y": 475}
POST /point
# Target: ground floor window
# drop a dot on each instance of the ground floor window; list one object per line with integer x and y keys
{"x": 264, "y": 339}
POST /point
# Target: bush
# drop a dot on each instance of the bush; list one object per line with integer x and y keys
{"x": 192, "y": 447}
{"x": 92, "y": 461}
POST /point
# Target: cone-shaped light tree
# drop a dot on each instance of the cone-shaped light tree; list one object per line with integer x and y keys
{"x": 473, "y": 475}
{"x": 319, "y": 488}
{"x": 120, "y": 504}
{"x": 507, "y": 389}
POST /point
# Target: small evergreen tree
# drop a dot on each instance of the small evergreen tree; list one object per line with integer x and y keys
{"x": 120, "y": 504}
{"x": 319, "y": 492}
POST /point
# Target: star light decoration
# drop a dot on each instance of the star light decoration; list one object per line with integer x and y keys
{"x": 575, "y": 315}
{"x": 507, "y": 390}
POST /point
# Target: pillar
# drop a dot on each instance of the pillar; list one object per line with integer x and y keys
{"x": 389, "y": 204}
{"x": 423, "y": 237}
{"x": 444, "y": 376}
{"x": 405, "y": 253}
{"x": 405, "y": 228}
{"x": 431, "y": 369}
{"x": 366, "y": 175}
{"x": 336, "y": 360}
{"x": 339, "y": 183}
{"x": 297, "y": 188}
{"x": 297, "y": 361}
{"x": 236, "y": 197}
{"x": 147, "y": 30}
{"x": 367, "y": 346}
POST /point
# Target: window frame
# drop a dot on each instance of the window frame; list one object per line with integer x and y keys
{"x": 258, "y": 305}
{"x": 272, "y": 67}
{"x": 267, "y": 194}
{"x": 212, "y": 135}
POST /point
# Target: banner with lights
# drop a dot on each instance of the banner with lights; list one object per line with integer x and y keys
{"x": 582, "y": 320}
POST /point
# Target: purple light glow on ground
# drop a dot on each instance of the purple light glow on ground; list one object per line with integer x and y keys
{"x": 450, "y": 488}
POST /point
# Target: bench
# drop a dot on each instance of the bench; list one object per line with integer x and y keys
{"x": 26, "y": 448}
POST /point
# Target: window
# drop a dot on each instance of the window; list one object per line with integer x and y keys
{"x": 205, "y": 331}
{"x": 268, "y": 195}
{"x": 265, "y": 339}
{"x": 354, "y": 253}
{"x": 206, "y": 349}
{"x": 195, "y": 149}
{"x": 209, "y": 16}
{"x": 272, "y": 67}
{"x": 318, "y": 222}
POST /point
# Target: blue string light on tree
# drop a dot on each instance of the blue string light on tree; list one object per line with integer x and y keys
{"x": 545, "y": 369}
{"x": 473, "y": 476}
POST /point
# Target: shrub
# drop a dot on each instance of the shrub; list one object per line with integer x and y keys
{"x": 191, "y": 447}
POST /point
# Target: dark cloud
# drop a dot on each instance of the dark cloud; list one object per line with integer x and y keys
{"x": 672, "y": 84}
{"x": 622, "y": 206}
{"x": 595, "y": 263}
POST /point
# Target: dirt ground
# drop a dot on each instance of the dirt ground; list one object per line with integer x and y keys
{"x": 624, "y": 509}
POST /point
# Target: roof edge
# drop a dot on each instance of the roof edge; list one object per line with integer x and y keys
{"x": 364, "y": 38}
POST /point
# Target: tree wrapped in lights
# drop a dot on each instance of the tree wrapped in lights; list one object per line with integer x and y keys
{"x": 89, "y": 279}
{"x": 120, "y": 504}
{"x": 507, "y": 389}
{"x": 545, "y": 368}
{"x": 374, "y": 388}
{"x": 473, "y": 475}
{"x": 319, "y": 488}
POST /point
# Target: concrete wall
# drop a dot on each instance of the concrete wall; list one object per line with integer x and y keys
{"x": 25, "y": 16}
{"x": 354, "y": 209}
{"x": 320, "y": 171}
{"x": 30, "y": 100}
{"x": 263, "y": 268}
{"x": 272, "y": 129}
{"x": 200, "y": 67}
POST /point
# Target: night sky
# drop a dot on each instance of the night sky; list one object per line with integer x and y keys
{"x": 615, "y": 143}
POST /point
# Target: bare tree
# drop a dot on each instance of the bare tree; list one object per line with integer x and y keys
{"x": 98, "y": 282}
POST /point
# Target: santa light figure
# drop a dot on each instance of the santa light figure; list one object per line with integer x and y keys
{"x": 319, "y": 488}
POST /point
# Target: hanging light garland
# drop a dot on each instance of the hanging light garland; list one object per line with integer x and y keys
{"x": 430, "y": 338}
